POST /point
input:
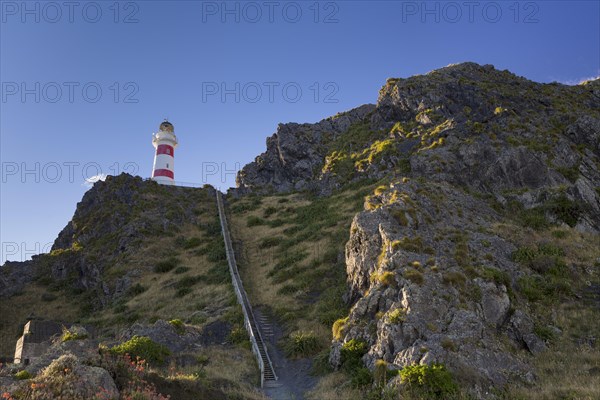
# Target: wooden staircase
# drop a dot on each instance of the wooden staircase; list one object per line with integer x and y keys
{"x": 268, "y": 375}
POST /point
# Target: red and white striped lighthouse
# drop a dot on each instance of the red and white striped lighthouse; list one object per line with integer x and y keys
{"x": 164, "y": 142}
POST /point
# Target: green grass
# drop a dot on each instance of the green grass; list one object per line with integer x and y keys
{"x": 302, "y": 344}
{"x": 414, "y": 276}
{"x": 430, "y": 381}
{"x": 166, "y": 265}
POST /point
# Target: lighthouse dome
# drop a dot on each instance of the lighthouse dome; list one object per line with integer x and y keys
{"x": 166, "y": 126}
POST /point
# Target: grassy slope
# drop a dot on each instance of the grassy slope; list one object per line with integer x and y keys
{"x": 291, "y": 257}
{"x": 571, "y": 366}
{"x": 288, "y": 262}
{"x": 196, "y": 290}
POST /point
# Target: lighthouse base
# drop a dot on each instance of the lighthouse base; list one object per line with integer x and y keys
{"x": 163, "y": 180}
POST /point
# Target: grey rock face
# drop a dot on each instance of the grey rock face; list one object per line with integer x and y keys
{"x": 164, "y": 333}
{"x": 433, "y": 310}
{"x": 294, "y": 153}
{"x": 14, "y": 276}
{"x": 501, "y": 133}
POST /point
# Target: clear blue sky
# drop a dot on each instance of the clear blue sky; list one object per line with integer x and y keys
{"x": 170, "y": 57}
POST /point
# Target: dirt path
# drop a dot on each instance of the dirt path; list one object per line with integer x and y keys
{"x": 294, "y": 375}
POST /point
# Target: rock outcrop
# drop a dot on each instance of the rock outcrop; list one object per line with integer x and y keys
{"x": 466, "y": 124}
{"x": 418, "y": 299}
{"x": 295, "y": 152}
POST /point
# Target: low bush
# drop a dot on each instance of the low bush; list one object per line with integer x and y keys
{"x": 454, "y": 278}
{"x": 136, "y": 290}
{"x": 430, "y": 381}
{"x": 143, "y": 347}
{"x": 398, "y": 315}
{"x": 72, "y": 335}
{"x": 218, "y": 274}
{"x": 192, "y": 243}
{"x": 414, "y": 276}
{"x": 239, "y": 335}
{"x": 166, "y": 265}
{"x": 386, "y": 278}
{"x": 269, "y": 242}
{"x": 361, "y": 377}
{"x": 181, "y": 270}
{"x": 23, "y": 374}
{"x": 254, "y": 221}
{"x": 302, "y": 344}
{"x": 351, "y": 354}
{"x": 178, "y": 325}
{"x": 338, "y": 328}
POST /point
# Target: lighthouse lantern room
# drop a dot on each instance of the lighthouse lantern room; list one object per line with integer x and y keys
{"x": 164, "y": 141}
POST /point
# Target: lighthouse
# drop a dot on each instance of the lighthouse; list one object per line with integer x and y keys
{"x": 164, "y": 141}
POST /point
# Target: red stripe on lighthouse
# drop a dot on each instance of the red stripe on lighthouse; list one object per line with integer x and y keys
{"x": 165, "y": 149}
{"x": 163, "y": 172}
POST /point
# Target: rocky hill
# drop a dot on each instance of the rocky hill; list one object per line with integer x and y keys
{"x": 469, "y": 125}
{"x": 137, "y": 260}
{"x": 480, "y": 237}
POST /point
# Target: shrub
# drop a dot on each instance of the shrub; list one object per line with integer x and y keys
{"x": 338, "y": 328}
{"x": 380, "y": 373}
{"x": 351, "y": 354}
{"x": 269, "y": 211}
{"x": 565, "y": 210}
{"x": 560, "y": 234}
{"x": 549, "y": 249}
{"x": 448, "y": 344}
{"x": 414, "y": 245}
{"x": 544, "y": 332}
{"x": 269, "y": 242}
{"x": 238, "y": 335}
{"x": 183, "y": 292}
{"x": 178, "y": 325}
{"x": 302, "y": 344}
{"x": 361, "y": 377}
{"x": 215, "y": 251}
{"x": 571, "y": 173}
{"x": 499, "y": 277}
{"x": 23, "y": 374}
{"x": 386, "y": 278}
{"x": 72, "y": 335}
{"x": 188, "y": 281}
{"x": 414, "y": 276}
{"x": 524, "y": 254}
{"x": 398, "y": 315}
{"x": 454, "y": 278}
{"x": 531, "y": 287}
{"x": 181, "y": 270}
{"x": 254, "y": 221}
{"x": 380, "y": 190}
{"x": 166, "y": 265}
{"x": 218, "y": 274}
{"x": 143, "y": 347}
{"x": 399, "y": 216}
{"x": 192, "y": 242}
{"x": 431, "y": 381}
{"x": 533, "y": 218}
{"x": 136, "y": 290}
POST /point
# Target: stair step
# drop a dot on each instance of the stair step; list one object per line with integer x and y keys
{"x": 257, "y": 325}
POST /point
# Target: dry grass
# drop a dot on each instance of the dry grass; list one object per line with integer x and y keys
{"x": 568, "y": 370}
{"x": 334, "y": 386}
{"x": 15, "y": 310}
{"x": 256, "y": 264}
{"x": 159, "y": 300}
